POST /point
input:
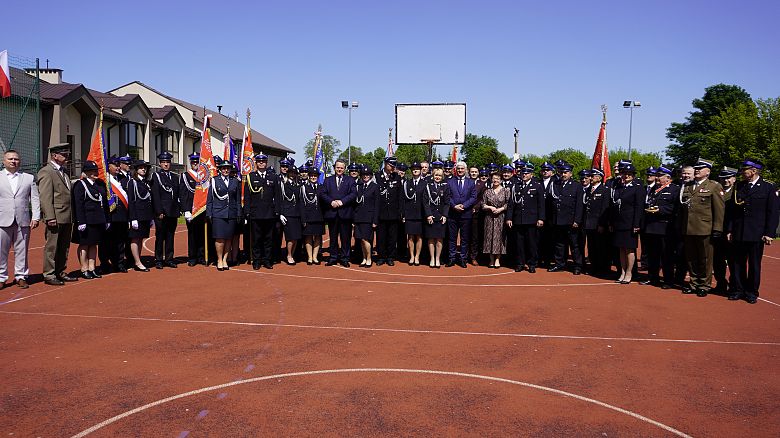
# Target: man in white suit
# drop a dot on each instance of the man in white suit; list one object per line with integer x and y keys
{"x": 20, "y": 211}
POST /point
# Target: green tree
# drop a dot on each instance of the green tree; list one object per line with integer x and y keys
{"x": 356, "y": 155}
{"x": 575, "y": 157}
{"x": 409, "y": 153}
{"x": 733, "y": 135}
{"x": 330, "y": 149}
{"x": 690, "y": 136}
{"x": 640, "y": 160}
{"x": 481, "y": 150}
{"x": 375, "y": 159}
{"x": 769, "y": 135}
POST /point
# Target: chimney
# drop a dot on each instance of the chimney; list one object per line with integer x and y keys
{"x": 50, "y": 75}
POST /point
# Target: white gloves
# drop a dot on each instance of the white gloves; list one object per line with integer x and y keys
{"x": 108, "y": 225}
{"x": 134, "y": 224}
{"x": 187, "y": 216}
{"x": 82, "y": 227}
{"x": 283, "y": 219}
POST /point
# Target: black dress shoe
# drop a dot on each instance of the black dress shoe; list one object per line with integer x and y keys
{"x": 687, "y": 290}
{"x": 752, "y": 300}
{"x": 54, "y": 281}
{"x": 268, "y": 265}
{"x": 66, "y": 278}
{"x": 309, "y": 262}
{"x": 362, "y": 265}
{"x": 416, "y": 263}
{"x": 317, "y": 262}
{"x": 144, "y": 269}
{"x": 96, "y": 275}
{"x": 450, "y": 264}
{"x": 158, "y": 265}
{"x": 555, "y": 269}
{"x": 289, "y": 263}
{"x": 577, "y": 271}
{"x": 379, "y": 262}
{"x": 220, "y": 269}
{"x": 122, "y": 269}
{"x": 170, "y": 264}
{"x": 666, "y": 286}
{"x": 649, "y": 283}
{"x": 87, "y": 274}
{"x": 345, "y": 264}
{"x": 330, "y": 262}
{"x": 735, "y": 297}
{"x": 390, "y": 263}
{"x": 532, "y": 270}
{"x": 701, "y": 293}
{"x": 520, "y": 268}
{"x": 462, "y": 264}
{"x": 191, "y": 263}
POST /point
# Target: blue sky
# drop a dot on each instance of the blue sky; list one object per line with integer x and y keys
{"x": 543, "y": 67}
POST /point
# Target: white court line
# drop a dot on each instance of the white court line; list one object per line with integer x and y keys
{"x": 54, "y": 289}
{"x": 769, "y": 256}
{"x": 381, "y": 370}
{"x": 770, "y": 302}
{"x": 420, "y": 283}
{"x": 425, "y": 276}
{"x": 392, "y": 330}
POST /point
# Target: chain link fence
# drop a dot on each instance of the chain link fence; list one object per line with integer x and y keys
{"x": 20, "y": 114}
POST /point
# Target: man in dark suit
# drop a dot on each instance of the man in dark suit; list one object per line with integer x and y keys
{"x": 753, "y": 225}
{"x": 525, "y": 217}
{"x": 338, "y": 197}
{"x": 567, "y": 197}
{"x": 389, "y": 212}
{"x": 165, "y": 200}
{"x": 464, "y": 196}
{"x": 259, "y": 199}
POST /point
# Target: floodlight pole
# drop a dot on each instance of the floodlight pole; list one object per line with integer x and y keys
{"x": 630, "y": 104}
{"x": 516, "y": 131}
{"x": 348, "y": 104}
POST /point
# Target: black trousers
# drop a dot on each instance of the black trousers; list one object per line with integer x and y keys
{"x": 546, "y": 244}
{"x": 599, "y": 252}
{"x": 747, "y": 268}
{"x": 340, "y": 232}
{"x": 526, "y": 245}
{"x": 722, "y": 258}
{"x": 387, "y": 239}
{"x": 165, "y": 231}
{"x": 114, "y": 249}
{"x": 262, "y": 239}
{"x": 660, "y": 249}
{"x": 567, "y": 237}
{"x": 196, "y": 239}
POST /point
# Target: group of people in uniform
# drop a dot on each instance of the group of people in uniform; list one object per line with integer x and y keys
{"x": 688, "y": 224}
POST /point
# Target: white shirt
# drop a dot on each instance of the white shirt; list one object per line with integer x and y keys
{"x": 13, "y": 179}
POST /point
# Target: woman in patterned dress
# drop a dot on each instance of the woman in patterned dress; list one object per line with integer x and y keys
{"x": 494, "y": 203}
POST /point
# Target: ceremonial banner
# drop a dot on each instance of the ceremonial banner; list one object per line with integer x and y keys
{"x": 319, "y": 156}
{"x": 97, "y": 153}
{"x": 206, "y": 169}
{"x": 600, "y": 155}
{"x": 5, "y": 75}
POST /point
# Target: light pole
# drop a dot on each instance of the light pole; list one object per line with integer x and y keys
{"x": 631, "y": 104}
{"x": 349, "y": 105}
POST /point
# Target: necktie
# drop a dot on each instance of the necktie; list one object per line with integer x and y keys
{"x": 338, "y": 182}
{"x": 262, "y": 175}
{"x": 460, "y": 183}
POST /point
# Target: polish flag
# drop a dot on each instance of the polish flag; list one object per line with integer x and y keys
{"x": 5, "y": 75}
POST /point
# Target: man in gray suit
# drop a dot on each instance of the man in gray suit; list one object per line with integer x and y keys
{"x": 54, "y": 187}
{"x": 18, "y": 193}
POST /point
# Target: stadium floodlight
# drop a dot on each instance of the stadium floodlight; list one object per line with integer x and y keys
{"x": 348, "y": 106}
{"x": 631, "y": 104}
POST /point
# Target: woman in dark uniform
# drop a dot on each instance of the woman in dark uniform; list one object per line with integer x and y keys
{"x": 366, "y": 213}
{"x": 626, "y": 208}
{"x": 223, "y": 207}
{"x": 289, "y": 210}
{"x": 412, "y": 213}
{"x": 234, "y": 258}
{"x": 311, "y": 216}
{"x": 139, "y": 211}
{"x": 90, "y": 205}
{"x": 436, "y": 207}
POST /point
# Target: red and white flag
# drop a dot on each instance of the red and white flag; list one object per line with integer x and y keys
{"x": 600, "y": 155}
{"x": 5, "y": 75}
{"x": 206, "y": 169}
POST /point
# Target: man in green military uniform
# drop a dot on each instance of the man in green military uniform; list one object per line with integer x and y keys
{"x": 701, "y": 220}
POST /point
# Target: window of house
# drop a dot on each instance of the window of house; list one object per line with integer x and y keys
{"x": 134, "y": 140}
